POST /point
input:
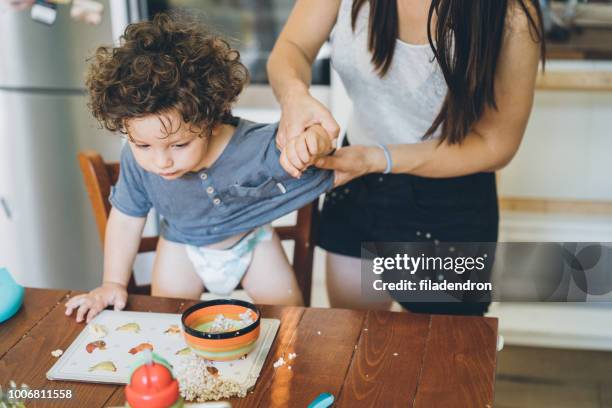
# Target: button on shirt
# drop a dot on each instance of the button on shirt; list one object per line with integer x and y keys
{"x": 244, "y": 188}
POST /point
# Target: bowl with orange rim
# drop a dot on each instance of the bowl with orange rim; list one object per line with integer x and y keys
{"x": 221, "y": 329}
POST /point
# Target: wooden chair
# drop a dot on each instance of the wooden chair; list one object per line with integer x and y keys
{"x": 99, "y": 176}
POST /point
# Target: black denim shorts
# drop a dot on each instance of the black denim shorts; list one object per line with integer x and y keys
{"x": 407, "y": 208}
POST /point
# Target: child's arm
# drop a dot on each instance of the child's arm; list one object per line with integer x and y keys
{"x": 302, "y": 151}
{"x": 123, "y": 234}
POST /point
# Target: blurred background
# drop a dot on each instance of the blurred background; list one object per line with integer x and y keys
{"x": 557, "y": 188}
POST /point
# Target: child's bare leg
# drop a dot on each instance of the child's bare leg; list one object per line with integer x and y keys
{"x": 173, "y": 272}
{"x": 270, "y": 278}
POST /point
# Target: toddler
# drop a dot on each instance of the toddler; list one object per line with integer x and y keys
{"x": 215, "y": 180}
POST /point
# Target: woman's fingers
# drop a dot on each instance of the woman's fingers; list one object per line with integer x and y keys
{"x": 281, "y": 136}
{"x": 331, "y": 126}
{"x": 329, "y": 163}
{"x": 294, "y": 130}
{"x": 287, "y": 131}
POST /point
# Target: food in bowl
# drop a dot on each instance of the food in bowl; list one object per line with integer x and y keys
{"x": 222, "y": 329}
{"x": 224, "y": 324}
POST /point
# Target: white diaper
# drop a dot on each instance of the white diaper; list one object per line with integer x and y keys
{"x": 221, "y": 270}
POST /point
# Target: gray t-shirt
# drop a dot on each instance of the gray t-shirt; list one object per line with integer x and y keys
{"x": 245, "y": 188}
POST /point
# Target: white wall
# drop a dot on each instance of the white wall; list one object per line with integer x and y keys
{"x": 566, "y": 151}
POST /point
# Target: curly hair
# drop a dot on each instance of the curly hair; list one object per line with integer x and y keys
{"x": 165, "y": 64}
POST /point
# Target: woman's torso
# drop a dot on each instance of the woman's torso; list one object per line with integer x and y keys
{"x": 398, "y": 108}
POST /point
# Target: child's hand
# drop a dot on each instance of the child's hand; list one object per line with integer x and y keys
{"x": 97, "y": 300}
{"x": 302, "y": 151}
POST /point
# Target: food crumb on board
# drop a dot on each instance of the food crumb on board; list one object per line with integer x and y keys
{"x": 129, "y": 327}
{"x": 279, "y": 363}
{"x": 97, "y": 331}
{"x": 98, "y": 344}
{"x": 292, "y": 356}
{"x": 57, "y": 353}
{"x": 173, "y": 329}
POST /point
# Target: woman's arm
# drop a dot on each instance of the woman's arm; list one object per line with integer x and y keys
{"x": 290, "y": 65}
{"x": 494, "y": 138}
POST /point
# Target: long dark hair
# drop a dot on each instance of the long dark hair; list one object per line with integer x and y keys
{"x": 468, "y": 41}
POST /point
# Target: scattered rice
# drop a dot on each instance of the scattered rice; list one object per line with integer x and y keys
{"x": 57, "y": 353}
{"x": 279, "y": 363}
{"x": 200, "y": 381}
{"x": 292, "y": 356}
{"x": 319, "y": 332}
{"x": 395, "y": 354}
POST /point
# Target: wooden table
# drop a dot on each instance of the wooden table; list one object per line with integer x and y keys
{"x": 365, "y": 359}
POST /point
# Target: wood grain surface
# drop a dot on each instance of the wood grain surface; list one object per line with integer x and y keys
{"x": 37, "y": 303}
{"x": 457, "y": 347}
{"x": 365, "y": 359}
{"x": 390, "y": 343}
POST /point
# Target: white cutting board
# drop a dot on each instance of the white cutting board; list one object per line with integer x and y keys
{"x": 75, "y": 363}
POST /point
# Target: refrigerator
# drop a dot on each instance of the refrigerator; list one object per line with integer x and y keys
{"x": 48, "y": 237}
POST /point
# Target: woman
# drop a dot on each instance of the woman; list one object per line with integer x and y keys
{"x": 441, "y": 91}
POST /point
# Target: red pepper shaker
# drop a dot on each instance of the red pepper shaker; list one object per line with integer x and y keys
{"x": 152, "y": 384}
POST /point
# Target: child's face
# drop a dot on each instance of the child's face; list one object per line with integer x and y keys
{"x": 165, "y": 145}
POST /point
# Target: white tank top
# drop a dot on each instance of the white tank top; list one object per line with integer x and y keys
{"x": 398, "y": 108}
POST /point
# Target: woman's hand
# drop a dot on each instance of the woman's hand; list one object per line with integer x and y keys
{"x": 301, "y": 111}
{"x": 94, "y": 302}
{"x": 351, "y": 162}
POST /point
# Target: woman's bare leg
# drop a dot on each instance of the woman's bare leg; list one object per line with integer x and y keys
{"x": 173, "y": 272}
{"x": 343, "y": 278}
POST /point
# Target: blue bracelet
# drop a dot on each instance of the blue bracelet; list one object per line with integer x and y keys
{"x": 385, "y": 150}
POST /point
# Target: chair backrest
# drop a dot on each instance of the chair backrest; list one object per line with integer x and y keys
{"x": 99, "y": 176}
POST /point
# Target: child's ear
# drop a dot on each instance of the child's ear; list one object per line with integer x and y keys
{"x": 125, "y": 130}
{"x": 125, "y": 134}
{"x": 124, "y": 127}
